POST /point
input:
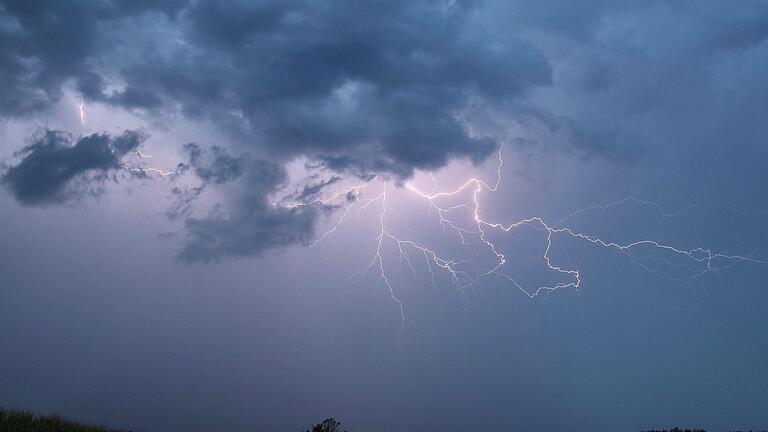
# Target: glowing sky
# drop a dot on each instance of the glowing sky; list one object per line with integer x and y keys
{"x": 410, "y": 215}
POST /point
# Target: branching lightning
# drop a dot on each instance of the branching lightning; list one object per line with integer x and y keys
{"x": 132, "y": 169}
{"x": 358, "y": 199}
{"x": 141, "y": 170}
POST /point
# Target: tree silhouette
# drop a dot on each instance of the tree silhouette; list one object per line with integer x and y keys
{"x": 328, "y": 425}
{"x": 674, "y": 429}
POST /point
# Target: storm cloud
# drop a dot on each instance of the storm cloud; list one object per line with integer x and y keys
{"x": 302, "y": 78}
{"x": 362, "y": 90}
{"x": 44, "y": 44}
{"x": 365, "y": 88}
{"x": 253, "y": 224}
{"x": 221, "y": 168}
{"x": 56, "y": 168}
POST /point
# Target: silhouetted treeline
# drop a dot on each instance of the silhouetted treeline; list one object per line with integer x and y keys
{"x": 675, "y": 429}
{"x": 25, "y": 421}
{"x": 328, "y": 425}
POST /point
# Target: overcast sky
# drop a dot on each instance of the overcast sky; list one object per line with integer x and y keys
{"x": 229, "y": 216}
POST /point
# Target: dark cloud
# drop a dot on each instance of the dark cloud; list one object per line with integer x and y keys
{"x": 220, "y": 168}
{"x": 183, "y": 200}
{"x": 251, "y": 223}
{"x": 362, "y": 88}
{"x": 248, "y": 233}
{"x": 254, "y": 224}
{"x": 54, "y": 163}
{"x": 628, "y": 73}
{"x": 367, "y": 88}
{"x": 312, "y": 190}
{"x": 373, "y": 86}
{"x": 380, "y": 85}
{"x": 45, "y": 43}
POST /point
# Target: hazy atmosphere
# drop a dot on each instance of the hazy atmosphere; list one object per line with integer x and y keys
{"x": 409, "y": 215}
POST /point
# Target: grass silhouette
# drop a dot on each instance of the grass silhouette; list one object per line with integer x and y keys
{"x": 25, "y": 421}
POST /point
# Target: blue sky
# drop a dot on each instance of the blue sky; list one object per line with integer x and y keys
{"x": 168, "y": 168}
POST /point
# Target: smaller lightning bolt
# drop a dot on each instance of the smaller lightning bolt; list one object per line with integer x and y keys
{"x": 354, "y": 190}
{"x": 378, "y": 261}
{"x": 82, "y": 110}
{"x": 659, "y": 209}
{"x": 142, "y": 170}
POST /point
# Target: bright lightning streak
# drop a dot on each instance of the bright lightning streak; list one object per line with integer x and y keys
{"x": 326, "y": 201}
{"x": 82, "y": 110}
{"x": 142, "y": 170}
{"x": 481, "y": 228}
{"x": 378, "y": 260}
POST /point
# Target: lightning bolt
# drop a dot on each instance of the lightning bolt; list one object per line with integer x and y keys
{"x": 442, "y": 202}
{"x": 327, "y": 201}
{"x": 143, "y": 169}
{"x": 82, "y": 110}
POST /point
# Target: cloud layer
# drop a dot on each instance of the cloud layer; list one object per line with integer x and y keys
{"x": 384, "y": 87}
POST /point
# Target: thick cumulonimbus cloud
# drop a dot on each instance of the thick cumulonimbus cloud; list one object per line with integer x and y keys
{"x": 254, "y": 224}
{"x": 222, "y": 168}
{"x": 319, "y": 79}
{"x": 361, "y": 88}
{"x": 45, "y": 43}
{"x": 368, "y": 87}
{"x": 55, "y": 168}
